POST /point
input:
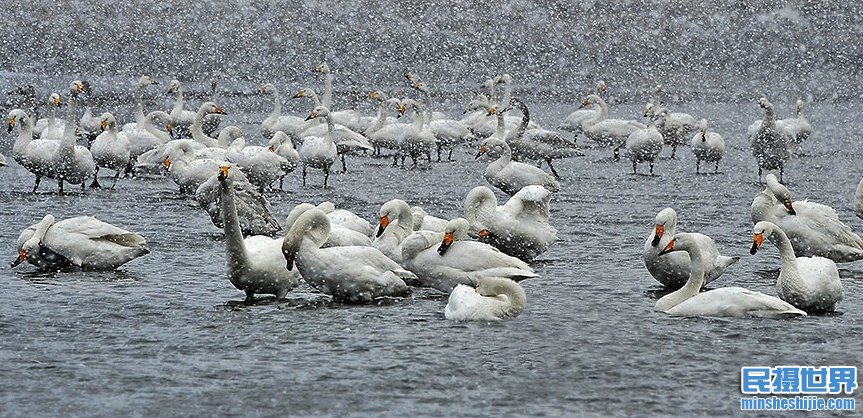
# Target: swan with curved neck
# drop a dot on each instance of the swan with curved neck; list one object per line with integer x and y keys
{"x": 355, "y": 274}
{"x": 722, "y": 302}
{"x": 511, "y": 176}
{"x": 208, "y": 108}
{"x": 493, "y": 299}
{"x": 769, "y": 145}
{"x": 605, "y": 131}
{"x": 143, "y": 82}
{"x": 396, "y": 224}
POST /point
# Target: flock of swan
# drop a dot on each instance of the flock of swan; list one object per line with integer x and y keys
{"x": 479, "y": 258}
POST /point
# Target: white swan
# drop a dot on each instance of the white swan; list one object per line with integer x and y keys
{"x": 417, "y": 140}
{"x": 511, "y": 176}
{"x": 519, "y": 228}
{"x": 425, "y": 222}
{"x": 51, "y": 128}
{"x": 197, "y": 131}
{"x": 89, "y": 125}
{"x": 350, "y": 274}
{"x": 347, "y": 140}
{"x": 493, "y": 299}
{"x": 448, "y": 132}
{"x": 150, "y": 140}
{"x": 673, "y": 270}
{"x": 319, "y": 151}
{"x": 340, "y": 236}
{"x": 722, "y": 302}
{"x": 676, "y": 128}
{"x": 797, "y": 129}
{"x": 346, "y": 219}
{"x": 605, "y": 131}
{"x": 444, "y": 260}
{"x": 181, "y": 118}
{"x": 858, "y": 200}
{"x": 574, "y": 122}
{"x": 254, "y": 263}
{"x": 339, "y": 117}
{"x": 111, "y": 149}
{"x": 143, "y": 82}
{"x": 644, "y": 145}
{"x": 769, "y": 145}
{"x": 2, "y": 160}
{"x": 84, "y": 242}
{"x": 385, "y": 133}
{"x": 814, "y": 229}
{"x": 186, "y": 169}
{"x": 261, "y": 164}
{"x": 277, "y": 122}
{"x": 35, "y": 155}
{"x": 809, "y": 283}
{"x": 283, "y": 146}
{"x": 538, "y": 144}
{"x": 72, "y": 163}
{"x": 396, "y": 224}
{"x": 252, "y": 208}
{"x": 707, "y": 146}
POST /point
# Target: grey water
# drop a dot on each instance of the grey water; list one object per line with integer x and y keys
{"x": 167, "y": 334}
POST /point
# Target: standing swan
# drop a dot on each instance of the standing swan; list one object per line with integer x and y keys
{"x": 73, "y": 163}
{"x": 319, "y": 152}
{"x": 493, "y": 299}
{"x": 36, "y": 155}
{"x": 722, "y": 302}
{"x": 111, "y": 149}
{"x": 254, "y": 263}
{"x": 644, "y": 145}
{"x": 511, "y": 176}
{"x": 809, "y": 283}
{"x": 707, "y": 146}
{"x": 352, "y": 274}
{"x": 769, "y": 145}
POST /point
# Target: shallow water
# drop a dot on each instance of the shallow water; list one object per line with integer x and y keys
{"x": 168, "y": 335}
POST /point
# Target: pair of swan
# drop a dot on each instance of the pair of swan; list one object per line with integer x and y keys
{"x": 347, "y": 140}
{"x": 340, "y": 235}
{"x": 255, "y": 264}
{"x": 511, "y": 176}
{"x": 183, "y": 119}
{"x": 79, "y": 243}
{"x": 493, "y": 299}
{"x": 644, "y": 145}
{"x": 354, "y": 274}
{"x": 445, "y": 260}
{"x": 769, "y": 144}
{"x": 814, "y": 229}
{"x": 111, "y": 149}
{"x": 386, "y": 133}
{"x": 605, "y": 131}
{"x": 537, "y": 143}
{"x": 797, "y": 129}
{"x": 519, "y": 228}
{"x": 417, "y": 139}
{"x": 263, "y": 165}
{"x": 673, "y": 270}
{"x": 676, "y": 128}
{"x": 707, "y": 146}
{"x": 275, "y": 122}
{"x": 319, "y": 152}
{"x": 448, "y": 132}
{"x": 722, "y": 302}
{"x": 809, "y": 283}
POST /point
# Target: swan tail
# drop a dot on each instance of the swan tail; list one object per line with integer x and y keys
{"x": 512, "y": 273}
{"x": 725, "y": 262}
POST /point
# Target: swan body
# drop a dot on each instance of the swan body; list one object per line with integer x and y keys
{"x": 254, "y": 264}
{"x": 340, "y": 236}
{"x": 644, "y": 145}
{"x": 769, "y": 144}
{"x": 493, "y": 299}
{"x": 511, "y": 176}
{"x": 575, "y": 121}
{"x": 353, "y": 274}
{"x": 809, "y": 283}
{"x": 707, "y": 146}
{"x": 319, "y": 152}
{"x": 142, "y": 84}
{"x": 35, "y": 155}
{"x": 50, "y": 128}
{"x": 251, "y": 207}
{"x": 346, "y": 219}
{"x": 83, "y": 242}
{"x": 673, "y": 270}
{"x": 111, "y": 149}
{"x": 796, "y": 129}
{"x": 186, "y": 169}
{"x": 813, "y": 229}
{"x": 676, "y": 128}
{"x": 425, "y": 222}
{"x": 152, "y": 136}
{"x": 261, "y": 164}
{"x": 605, "y": 131}
{"x": 519, "y": 228}
{"x": 722, "y": 302}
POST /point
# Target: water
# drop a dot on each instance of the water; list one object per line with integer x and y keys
{"x": 168, "y": 335}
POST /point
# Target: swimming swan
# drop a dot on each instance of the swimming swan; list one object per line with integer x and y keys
{"x": 493, "y": 299}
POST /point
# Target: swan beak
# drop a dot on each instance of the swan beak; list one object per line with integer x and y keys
{"x": 492, "y": 111}
{"x": 170, "y": 128}
{"x": 300, "y": 94}
{"x": 79, "y": 87}
{"x": 402, "y": 109}
{"x": 289, "y": 261}
{"x": 218, "y": 110}
{"x": 757, "y": 239}
{"x": 167, "y": 163}
{"x": 373, "y": 95}
{"x": 262, "y": 90}
{"x": 447, "y": 241}
{"x": 385, "y": 220}
{"x": 11, "y": 124}
{"x": 312, "y": 115}
{"x": 668, "y": 248}
{"x": 22, "y": 257}
{"x": 484, "y": 234}
{"x": 789, "y": 207}
{"x": 657, "y": 234}
{"x": 271, "y": 148}
{"x": 223, "y": 172}
{"x": 482, "y": 150}
{"x": 104, "y": 124}
{"x": 57, "y": 101}
{"x": 585, "y": 104}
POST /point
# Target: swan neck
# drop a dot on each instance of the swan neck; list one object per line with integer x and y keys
{"x": 277, "y": 104}
{"x": 41, "y": 230}
{"x": 233, "y": 233}
{"x": 501, "y": 126}
{"x": 68, "y": 141}
{"x": 327, "y": 100}
{"x": 179, "y": 103}
{"x": 25, "y": 135}
{"x": 786, "y": 251}
{"x": 139, "y": 106}
{"x": 693, "y": 284}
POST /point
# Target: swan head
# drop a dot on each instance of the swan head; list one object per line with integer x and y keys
{"x": 764, "y": 103}
{"x": 174, "y": 86}
{"x": 230, "y": 133}
{"x": 494, "y": 147}
{"x": 223, "y": 173}
{"x": 279, "y": 138}
{"x": 649, "y": 110}
{"x": 17, "y": 116}
{"x": 296, "y": 212}
{"x": 680, "y": 242}
{"x": 590, "y": 99}
{"x": 305, "y": 92}
{"x": 31, "y": 246}
{"x": 600, "y": 87}
{"x": 781, "y": 193}
{"x": 76, "y": 87}
{"x": 503, "y": 79}
{"x": 758, "y": 232}
{"x": 267, "y": 88}
{"x": 322, "y": 68}
{"x": 211, "y": 108}
{"x": 312, "y": 224}
{"x": 318, "y": 112}
{"x": 392, "y": 210}
{"x": 455, "y": 230}
{"x": 107, "y": 121}
{"x": 666, "y": 220}
{"x": 145, "y": 81}
{"x": 54, "y": 100}
{"x": 377, "y": 94}
{"x": 799, "y": 106}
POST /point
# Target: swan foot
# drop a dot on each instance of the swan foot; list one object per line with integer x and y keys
{"x": 36, "y": 186}
{"x": 250, "y": 297}
{"x": 551, "y": 167}
{"x": 95, "y": 184}
{"x": 344, "y": 167}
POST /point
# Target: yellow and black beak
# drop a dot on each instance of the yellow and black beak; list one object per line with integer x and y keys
{"x": 373, "y": 95}
{"x": 11, "y": 124}
{"x": 223, "y": 172}
{"x": 789, "y": 207}
{"x": 482, "y": 150}
{"x": 57, "y": 101}
{"x": 104, "y": 124}
{"x": 668, "y": 248}
{"x": 272, "y": 148}
{"x": 79, "y": 87}
{"x": 657, "y": 234}
{"x": 492, "y": 111}
{"x": 22, "y": 257}
{"x": 300, "y": 94}
{"x": 385, "y": 220}
{"x": 313, "y": 115}
{"x": 289, "y": 259}
{"x": 218, "y": 110}
{"x": 167, "y": 163}
{"x": 447, "y": 241}
{"x": 757, "y": 240}
{"x": 585, "y": 103}
{"x": 170, "y": 128}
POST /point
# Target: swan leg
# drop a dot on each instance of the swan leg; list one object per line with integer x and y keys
{"x": 450, "y": 155}
{"x": 38, "y": 180}
{"x": 116, "y": 176}
{"x": 95, "y": 184}
{"x": 697, "y": 166}
{"x": 634, "y": 167}
{"x": 281, "y": 183}
{"x": 326, "y": 176}
{"x": 651, "y": 168}
{"x": 344, "y": 167}
{"x": 781, "y": 172}
{"x": 130, "y": 170}
{"x": 759, "y": 174}
{"x": 304, "y": 175}
{"x": 250, "y": 296}
{"x": 673, "y": 151}
{"x": 60, "y": 185}
{"x": 439, "y": 146}
{"x": 551, "y": 167}
{"x": 617, "y": 154}
{"x": 716, "y": 168}
{"x": 83, "y": 185}
{"x": 395, "y": 160}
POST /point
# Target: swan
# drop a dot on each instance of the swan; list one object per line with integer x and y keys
{"x": 425, "y": 222}
{"x": 605, "y": 131}
{"x": 2, "y": 160}
{"x": 858, "y": 200}
{"x": 111, "y": 149}
{"x": 809, "y": 283}
{"x": 519, "y": 227}
{"x": 814, "y": 229}
{"x": 181, "y": 118}
{"x": 252, "y": 208}
{"x": 353, "y": 274}
{"x": 417, "y": 139}
{"x": 83, "y": 242}
{"x": 493, "y": 299}
{"x": 89, "y": 125}
{"x": 143, "y": 82}
{"x": 283, "y": 146}
{"x": 254, "y": 264}
{"x": 207, "y": 108}
{"x": 538, "y": 144}
{"x": 396, "y": 224}
{"x": 340, "y": 117}
{"x": 676, "y": 128}
{"x": 276, "y": 121}
{"x": 574, "y": 122}
{"x": 261, "y": 164}
{"x": 511, "y": 176}
{"x": 340, "y": 236}
{"x": 50, "y": 128}
{"x": 386, "y": 134}
{"x": 722, "y": 302}
{"x": 35, "y": 155}
{"x": 346, "y": 219}
{"x": 72, "y": 163}
{"x": 319, "y": 151}
{"x": 797, "y": 129}
{"x": 150, "y": 140}
{"x": 707, "y": 146}
{"x": 673, "y": 270}
{"x": 644, "y": 145}
{"x": 212, "y": 121}
{"x": 448, "y": 132}
{"x": 769, "y": 145}
{"x": 347, "y": 141}
{"x": 186, "y": 169}
{"x": 444, "y": 260}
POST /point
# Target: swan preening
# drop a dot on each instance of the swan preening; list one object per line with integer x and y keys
{"x": 707, "y": 146}
{"x": 493, "y": 299}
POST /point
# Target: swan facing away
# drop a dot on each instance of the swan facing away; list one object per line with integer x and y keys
{"x": 809, "y": 283}
{"x": 722, "y": 302}
{"x": 354, "y": 274}
{"x": 493, "y": 299}
{"x": 707, "y": 146}
{"x": 673, "y": 270}
{"x": 340, "y": 236}
{"x": 254, "y": 263}
{"x": 84, "y": 243}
